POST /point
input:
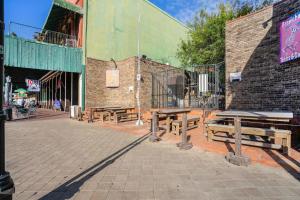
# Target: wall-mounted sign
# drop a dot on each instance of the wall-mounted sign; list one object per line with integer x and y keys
{"x": 112, "y": 78}
{"x": 290, "y": 38}
{"x": 237, "y": 76}
{"x": 138, "y": 77}
{"x": 33, "y": 85}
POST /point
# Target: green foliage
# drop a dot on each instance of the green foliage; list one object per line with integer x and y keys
{"x": 206, "y": 38}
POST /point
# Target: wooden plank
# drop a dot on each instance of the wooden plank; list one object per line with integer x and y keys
{"x": 249, "y": 130}
{"x": 250, "y": 143}
{"x": 274, "y": 116}
{"x": 174, "y": 111}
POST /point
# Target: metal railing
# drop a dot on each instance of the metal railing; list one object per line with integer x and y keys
{"x": 41, "y": 35}
{"x": 200, "y": 87}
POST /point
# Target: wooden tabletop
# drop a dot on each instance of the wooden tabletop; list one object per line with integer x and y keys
{"x": 108, "y": 107}
{"x": 119, "y": 108}
{"x": 174, "y": 111}
{"x": 276, "y": 116}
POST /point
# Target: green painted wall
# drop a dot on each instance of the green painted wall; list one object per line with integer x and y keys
{"x": 35, "y": 55}
{"x": 112, "y": 31}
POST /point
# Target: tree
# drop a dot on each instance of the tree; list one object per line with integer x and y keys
{"x": 206, "y": 39}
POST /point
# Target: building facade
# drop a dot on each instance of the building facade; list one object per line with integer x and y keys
{"x": 79, "y": 41}
{"x": 252, "y": 52}
{"x": 118, "y": 31}
{"x": 114, "y": 28}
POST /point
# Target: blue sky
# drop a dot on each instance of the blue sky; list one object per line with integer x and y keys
{"x": 34, "y": 12}
{"x": 185, "y": 10}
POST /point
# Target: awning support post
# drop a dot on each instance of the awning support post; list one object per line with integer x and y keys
{"x": 65, "y": 91}
{"x": 71, "y": 88}
{"x": 60, "y": 87}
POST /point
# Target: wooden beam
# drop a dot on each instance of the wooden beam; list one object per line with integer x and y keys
{"x": 246, "y": 142}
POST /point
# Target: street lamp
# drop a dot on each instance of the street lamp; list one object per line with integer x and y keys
{"x": 6, "y": 183}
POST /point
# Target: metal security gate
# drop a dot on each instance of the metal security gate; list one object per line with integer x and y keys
{"x": 200, "y": 87}
{"x": 168, "y": 89}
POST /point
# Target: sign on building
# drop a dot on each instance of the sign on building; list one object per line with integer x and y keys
{"x": 33, "y": 85}
{"x": 236, "y": 76}
{"x": 112, "y": 78}
{"x": 290, "y": 38}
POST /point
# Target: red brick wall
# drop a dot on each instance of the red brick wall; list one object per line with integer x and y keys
{"x": 97, "y": 94}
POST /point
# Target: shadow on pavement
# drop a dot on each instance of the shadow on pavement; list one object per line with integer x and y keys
{"x": 71, "y": 187}
{"x": 284, "y": 164}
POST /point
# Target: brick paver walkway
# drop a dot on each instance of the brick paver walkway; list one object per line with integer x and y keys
{"x": 60, "y": 159}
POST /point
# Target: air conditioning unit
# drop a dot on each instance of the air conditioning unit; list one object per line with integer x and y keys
{"x": 71, "y": 42}
{"x": 75, "y": 112}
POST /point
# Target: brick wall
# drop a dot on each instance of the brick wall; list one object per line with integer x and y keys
{"x": 97, "y": 94}
{"x": 252, "y": 48}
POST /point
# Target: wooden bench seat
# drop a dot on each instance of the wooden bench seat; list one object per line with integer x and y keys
{"x": 192, "y": 122}
{"x": 123, "y": 117}
{"x": 104, "y": 116}
{"x": 265, "y": 137}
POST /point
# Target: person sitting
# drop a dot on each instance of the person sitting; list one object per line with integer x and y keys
{"x": 57, "y": 105}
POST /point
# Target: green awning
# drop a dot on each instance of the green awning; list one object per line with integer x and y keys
{"x": 68, "y": 6}
{"x": 37, "y": 55}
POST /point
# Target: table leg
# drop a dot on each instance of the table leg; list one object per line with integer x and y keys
{"x": 184, "y": 145}
{"x": 115, "y": 117}
{"x": 237, "y": 158}
{"x": 153, "y": 137}
{"x": 238, "y": 136}
{"x": 101, "y": 117}
{"x": 168, "y": 123}
{"x": 90, "y": 116}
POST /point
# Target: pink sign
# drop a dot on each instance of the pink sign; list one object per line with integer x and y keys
{"x": 290, "y": 39}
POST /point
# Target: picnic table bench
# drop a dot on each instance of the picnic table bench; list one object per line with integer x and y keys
{"x": 121, "y": 114}
{"x": 160, "y": 117}
{"x": 92, "y": 110}
{"x": 266, "y": 137}
{"x": 192, "y": 122}
{"x": 184, "y": 144}
{"x": 124, "y": 116}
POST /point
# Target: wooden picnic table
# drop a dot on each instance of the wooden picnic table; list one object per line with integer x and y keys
{"x": 92, "y": 110}
{"x": 171, "y": 112}
{"x": 114, "y": 112}
{"x": 238, "y": 116}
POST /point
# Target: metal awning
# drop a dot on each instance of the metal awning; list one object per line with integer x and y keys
{"x": 68, "y": 6}
{"x": 60, "y": 8}
{"x": 37, "y": 55}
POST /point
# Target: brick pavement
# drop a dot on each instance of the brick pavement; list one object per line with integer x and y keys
{"x": 64, "y": 159}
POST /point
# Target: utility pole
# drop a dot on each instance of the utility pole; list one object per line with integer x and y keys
{"x": 139, "y": 76}
{"x": 6, "y": 183}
